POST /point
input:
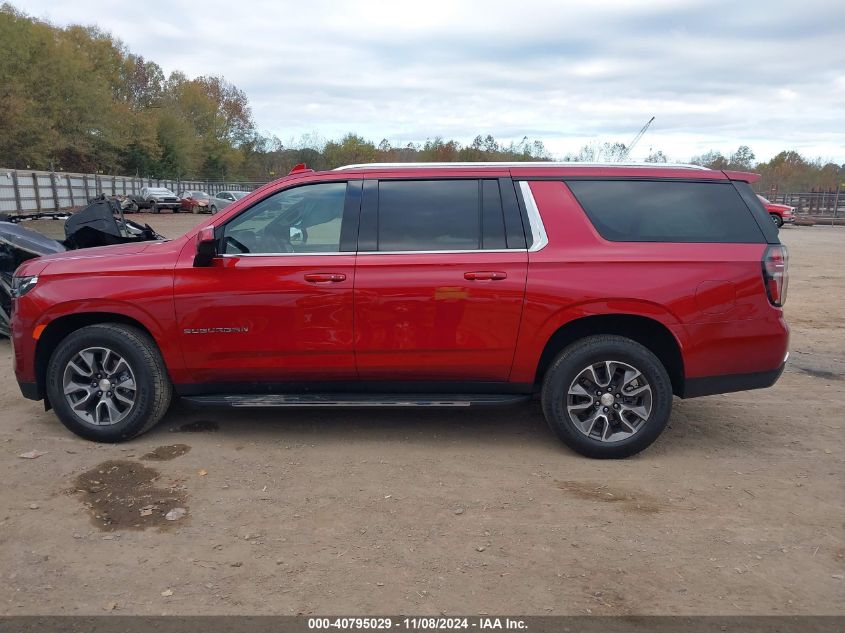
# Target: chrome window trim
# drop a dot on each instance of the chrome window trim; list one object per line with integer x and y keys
{"x": 329, "y": 253}
{"x": 450, "y": 252}
{"x": 453, "y": 252}
{"x": 539, "y": 239}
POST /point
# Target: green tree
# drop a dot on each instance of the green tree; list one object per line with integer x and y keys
{"x": 351, "y": 149}
{"x": 711, "y": 160}
{"x": 742, "y": 159}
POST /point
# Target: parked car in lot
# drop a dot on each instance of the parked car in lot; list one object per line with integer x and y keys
{"x": 195, "y": 201}
{"x": 779, "y": 213}
{"x": 604, "y": 290}
{"x": 157, "y": 198}
{"x": 223, "y": 199}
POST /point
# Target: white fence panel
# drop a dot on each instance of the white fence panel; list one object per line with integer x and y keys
{"x": 33, "y": 191}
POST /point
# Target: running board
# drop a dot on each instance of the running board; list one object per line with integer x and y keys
{"x": 269, "y": 401}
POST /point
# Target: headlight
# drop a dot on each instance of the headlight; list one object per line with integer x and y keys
{"x": 22, "y": 285}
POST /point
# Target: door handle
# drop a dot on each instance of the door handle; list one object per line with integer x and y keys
{"x": 485, "y": 276}
{"x": 322, "y": 278}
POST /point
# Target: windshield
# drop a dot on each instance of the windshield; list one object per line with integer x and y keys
{"x": 764, "y": 200}
{"x": 237, "y": 195}
{"x": 198, "y": 194}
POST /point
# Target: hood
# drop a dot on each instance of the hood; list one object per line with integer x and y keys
{"x": 29, "y": 241}
{"x": 99, "y": 251}
{"x": 783, "y": 208}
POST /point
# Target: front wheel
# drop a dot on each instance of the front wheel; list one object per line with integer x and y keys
{"x": 108, "y": 382}
{"x": 153, "y": 207}
{"x": 607, "y": 397}
{"x": 213, "y": 210}
{"x": 777, "y": 219}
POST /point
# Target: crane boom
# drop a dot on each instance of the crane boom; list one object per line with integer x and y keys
{"x": 636, "y": 139}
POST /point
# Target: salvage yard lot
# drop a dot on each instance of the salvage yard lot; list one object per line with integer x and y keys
{"x": 738, "y": 508}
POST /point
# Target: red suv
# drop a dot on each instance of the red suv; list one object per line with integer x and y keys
{"x": 605, "y": 290}
{"x": 780, "y": 213}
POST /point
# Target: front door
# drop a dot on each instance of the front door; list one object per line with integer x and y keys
{"x": 276, "y": 305}
{"x": 438, "y": 291}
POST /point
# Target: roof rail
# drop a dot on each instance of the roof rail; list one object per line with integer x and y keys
{"x": 493, "y": 165}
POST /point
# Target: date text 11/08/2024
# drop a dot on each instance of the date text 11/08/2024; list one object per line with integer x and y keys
{"x": 422, "y": 623}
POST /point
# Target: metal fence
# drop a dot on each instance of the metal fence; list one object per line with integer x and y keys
{"x": 28, "y": 191}
{"x": 822, "y": 204}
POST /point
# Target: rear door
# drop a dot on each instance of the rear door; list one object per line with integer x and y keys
{"x": 440, "y": 279}
{"x": 276, "y": 305}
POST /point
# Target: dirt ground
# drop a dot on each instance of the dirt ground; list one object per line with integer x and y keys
{"x": 739, "y": 508}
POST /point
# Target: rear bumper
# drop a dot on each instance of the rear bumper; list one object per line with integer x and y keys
{"x": 710, "y": 385}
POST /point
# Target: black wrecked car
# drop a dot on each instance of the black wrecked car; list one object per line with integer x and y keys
{"x": 101, "y": 223}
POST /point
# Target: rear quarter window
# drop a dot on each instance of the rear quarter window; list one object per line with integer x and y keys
{"x": 666, "y": 211}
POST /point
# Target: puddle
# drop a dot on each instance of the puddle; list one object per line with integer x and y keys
{"x": 592, "y": 492}
{"x": 121, "y": 495}
{"x": 200, "y": 426}
{"x": 166, "y": 453}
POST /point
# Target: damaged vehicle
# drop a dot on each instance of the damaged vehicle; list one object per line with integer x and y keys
{"x": 101, "y": 223}
{"x": 157, "y": 198}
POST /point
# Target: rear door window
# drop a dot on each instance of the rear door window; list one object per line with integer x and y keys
{"x": 429, "y": 215}
{"x": 493, "y": 217}
{"x": 666, "y": 211}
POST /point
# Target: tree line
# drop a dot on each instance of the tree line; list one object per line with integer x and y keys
{"x": 76, "y": 99}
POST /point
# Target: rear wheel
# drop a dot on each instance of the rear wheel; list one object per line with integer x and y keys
{"x": 108, "y": 382}
{"x": 213, "y": 209}
{"x": 153, "y": 207}
{"x": 777, "y": 219}
{"x": 607, "y": 396}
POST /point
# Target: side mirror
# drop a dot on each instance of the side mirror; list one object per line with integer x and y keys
{"x": 206, "y": 247}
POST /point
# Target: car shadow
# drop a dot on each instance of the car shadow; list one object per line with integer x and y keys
{"x": 701, "y": 425}
{"x": 523, "y": 424}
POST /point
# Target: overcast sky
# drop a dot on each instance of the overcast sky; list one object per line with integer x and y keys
{"x": 769, "y": 74}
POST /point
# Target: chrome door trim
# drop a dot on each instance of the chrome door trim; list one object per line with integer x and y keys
{"x": 538, "y": 230}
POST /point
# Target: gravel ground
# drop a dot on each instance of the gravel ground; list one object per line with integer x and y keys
{"x": 739, "y": 508}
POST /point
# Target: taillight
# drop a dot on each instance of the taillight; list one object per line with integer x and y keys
{"x": 776, "y": 273}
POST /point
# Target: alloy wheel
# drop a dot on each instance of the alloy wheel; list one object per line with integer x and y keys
{"x": 609, "y": 401}
{"x": 99, "y": 386}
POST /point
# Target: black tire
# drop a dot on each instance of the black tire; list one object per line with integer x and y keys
{"x": 195, "y": 209}
{"x": 213, "y": 210}
{"x": 595, "y": 349}
{"x": 153, "y": 207}
{"x": 153, "y": 388}
{"x": 777, "y": 219}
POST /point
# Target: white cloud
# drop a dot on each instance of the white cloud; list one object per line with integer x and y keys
{"x": 715, "y": 74}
